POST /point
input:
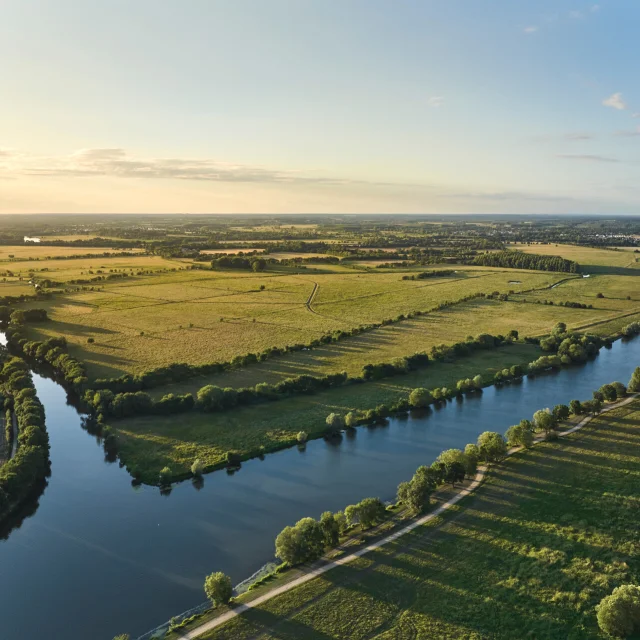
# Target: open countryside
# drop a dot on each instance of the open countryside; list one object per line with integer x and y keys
{"x": 283, "y": 386}
{"x": 319, "y": 320}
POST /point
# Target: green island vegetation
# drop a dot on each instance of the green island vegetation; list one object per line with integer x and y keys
{"x": 21, "y": 474}
{"x": 566, "y": 565}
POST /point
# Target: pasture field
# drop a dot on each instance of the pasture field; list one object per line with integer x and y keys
{"x": 621, "y": 293}
{"x": 592, "y": 260}
{"x": 39, "y": 252}
{"x": 150, "y": 443}
{"x": 205, "y": 316}
{"x": 529, "y": 554}
{"x": 404, "y": 338}
{"x": 85, "y": 268}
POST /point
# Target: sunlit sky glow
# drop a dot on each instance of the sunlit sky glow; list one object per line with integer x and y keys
{"x": 284, "y": 106}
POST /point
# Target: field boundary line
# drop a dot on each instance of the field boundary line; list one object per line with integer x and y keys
{"x": 318, "y": 571}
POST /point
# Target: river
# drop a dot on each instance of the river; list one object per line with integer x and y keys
{"x": 100, "y": 557}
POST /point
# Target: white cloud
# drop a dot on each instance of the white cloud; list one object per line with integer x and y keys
{"x": 578, "y": 136}
{"x": 436, "y": 101}
{"x": 586, "y": 157}
{"x": 615, "y": 101}
{"x": 636, "y": 115}
{"x": 594, "y": 8}
{"x": 530, "y": 29}
{"x": 576, "y": 15}
{"x": 629, "y": 134}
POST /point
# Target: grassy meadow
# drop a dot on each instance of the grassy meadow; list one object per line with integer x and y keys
{"x": 205, "y": 316}
{"x": 38, "y": 252}
{"x": 592, "y": 260}
{"x": 529, "y": 554}
{"x": 150, "y": 443}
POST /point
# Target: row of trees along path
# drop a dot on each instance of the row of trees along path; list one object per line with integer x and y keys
{"x": 318, "y": 570}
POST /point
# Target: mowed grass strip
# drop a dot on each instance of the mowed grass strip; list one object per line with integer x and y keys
{"x": 550, "y": 533}
{"x": 147, "y": 444}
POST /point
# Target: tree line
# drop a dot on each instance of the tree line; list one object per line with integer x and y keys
{"x": 211, "y": 398}
{"x": 520, "y": 260}
{"x": 20, "y": 475}
{"x": 308, "y": 539}
{"x": 180, "y": 371}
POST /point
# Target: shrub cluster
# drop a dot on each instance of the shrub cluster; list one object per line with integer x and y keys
{"x": 52, "y": 352}
{"x": 436, "y": 273}
{"x": 20, "y": 316}
{"x": 237, "y": 262}
{"x": 307, "y": 540}
{"x": 571, "y": 347}
{"x": 571, "y": 305}
{"x": 20, "y": 474}
{"x": 631, "y": 330}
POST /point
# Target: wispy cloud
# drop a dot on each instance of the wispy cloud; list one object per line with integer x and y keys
{"x": 594, "y": 8}
{"x": 435, "y": 101}
{"x": 578, "y": 136}
{"x": 628, "y": 133}
{"x": 531, "y": 29}
{"x": 615, "y": 101}
{"x": 116, "y": 162}
{"x": 586, "y": 157}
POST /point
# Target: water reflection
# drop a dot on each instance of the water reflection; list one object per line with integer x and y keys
{"x": 146, "y": 552}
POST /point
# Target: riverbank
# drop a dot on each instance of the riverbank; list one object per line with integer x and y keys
{"x": 260, "y": 623}
{"x": 165, "y": 544}
{"x": 148, "y": 444}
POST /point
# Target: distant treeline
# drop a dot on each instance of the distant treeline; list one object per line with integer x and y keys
{"x": 519, "y": 260}
{"x": 430, "y": 274}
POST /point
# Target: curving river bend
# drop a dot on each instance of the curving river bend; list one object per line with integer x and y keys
{"x": 99, "y": 557}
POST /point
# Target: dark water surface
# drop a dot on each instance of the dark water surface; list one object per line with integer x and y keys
{"x": 100, "y": 557}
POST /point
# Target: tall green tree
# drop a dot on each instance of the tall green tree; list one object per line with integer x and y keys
{"x": 619, "y": 613}
{"x": 218, "y": 588}
{"x": 492, "y": 446}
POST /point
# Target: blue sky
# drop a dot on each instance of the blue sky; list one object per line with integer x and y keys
{"x": 319, "y": 106}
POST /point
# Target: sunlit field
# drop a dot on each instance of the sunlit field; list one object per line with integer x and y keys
{"x": 594, "y": 260}
{"x": 143, "y": 322}
{"x": 550, "y": 533}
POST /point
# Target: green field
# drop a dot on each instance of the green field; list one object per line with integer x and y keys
{"x": 407, "y": 337}
{"x": 206, "y": 316}
{"x": 616, "y": 261}
{"x": 38, "y": 252}
{"x": 150, "y": 443}
{"x": 550, "y": 533}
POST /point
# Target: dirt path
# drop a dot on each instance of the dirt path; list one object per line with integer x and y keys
{"x": 312, "y": 295}
{"x": 314, "y": 573}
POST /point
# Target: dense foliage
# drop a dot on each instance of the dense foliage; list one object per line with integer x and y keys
{"x": 20, "y": 475}
{"x": 519, "y": 260}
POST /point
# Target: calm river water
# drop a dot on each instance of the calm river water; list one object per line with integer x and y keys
{"x": 100, "y": 557}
